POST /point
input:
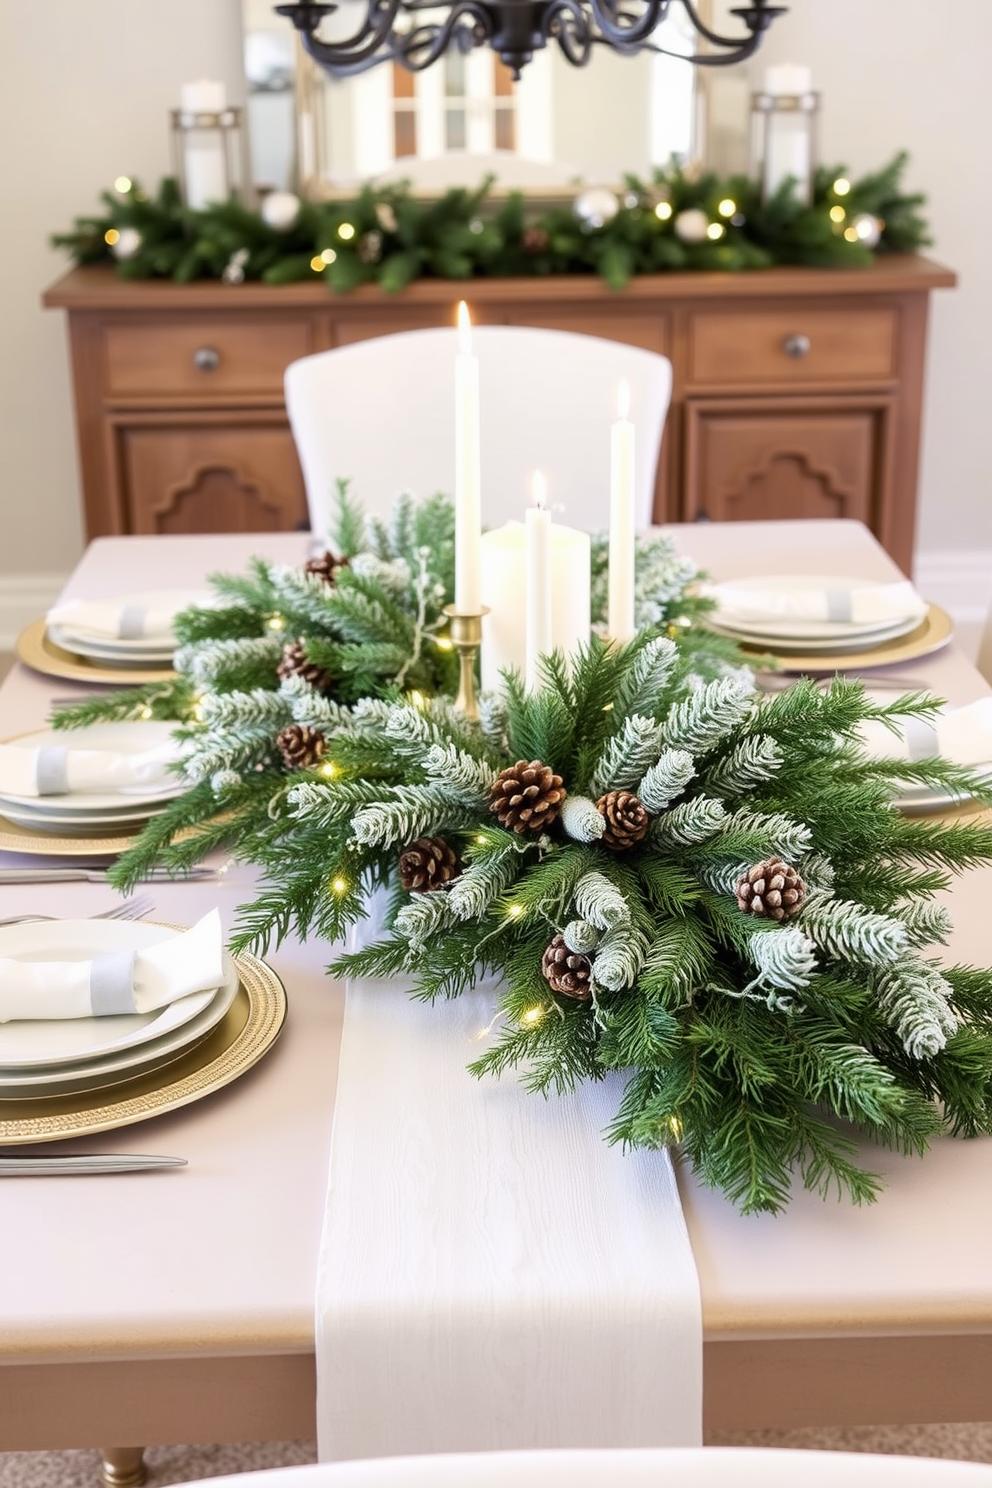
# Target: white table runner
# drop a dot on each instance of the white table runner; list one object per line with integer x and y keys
{"x": 492, "y": 1275}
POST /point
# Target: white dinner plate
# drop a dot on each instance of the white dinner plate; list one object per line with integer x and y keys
{"x": 77, "y": 826}
{"x": 62, "y": 1079}
{"x": 807, "y": 630}
{"x": 843, "y": 647}
{"x": 121, "y": 738}
{"x": 115, "y": 653}
{"x": 28, "y": 1045}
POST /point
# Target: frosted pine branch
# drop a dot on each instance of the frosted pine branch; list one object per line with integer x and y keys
{"x": 926, "y": 923}
{"x": 580, "y": 819}
{"x": 704, "y": 719}
{"x": 258, "y": 708}
{"x": 462, "y": 776}
{"x": 649, "y": 676}
{"x": 481, "y": 884}
{"x": 420, "y": 921}
{"x": 749, "y": 764}
{"x": 817, "y": 870}
{"x": 597, "y": 901}
{"x": 303, "y": 593}
{"x": 843, "y": 928}
{"x": 393, "y": 576}
{"x": 915, "y": 999}
{"x": 693, "y": 821}
{"x": 666, "y": 779}
{"x": 619, "y": 958}
{"x": 204, "y": 661}
{"x": 789, "y": 839}
{"x": 312, "y": 708}
{"x": 492, "y": 718}
{"x": 627, "y": 755}
{"x": 784, "y": 958}
{"x": 403, "y": 813}
{"x": 581, "y": 937}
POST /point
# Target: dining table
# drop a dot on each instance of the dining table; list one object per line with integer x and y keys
{"x": 178, "y": 1306}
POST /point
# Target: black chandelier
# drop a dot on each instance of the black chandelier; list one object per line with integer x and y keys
{"x": 515, "y": 29}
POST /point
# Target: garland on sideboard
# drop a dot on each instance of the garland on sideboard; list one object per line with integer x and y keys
{"x": 680, "y": 219}
{"x": 707, "y": 890}
{"x": 268, "y": 676}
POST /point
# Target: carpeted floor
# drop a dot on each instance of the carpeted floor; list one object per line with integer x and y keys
{"x": 973, "y": 1443}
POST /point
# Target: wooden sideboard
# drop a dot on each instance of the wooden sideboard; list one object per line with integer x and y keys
{"x": 796, "y": 392}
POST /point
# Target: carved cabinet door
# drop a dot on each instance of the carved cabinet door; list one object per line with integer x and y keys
{"x": 759, "y": 459}
{"x": 232, "y": 473}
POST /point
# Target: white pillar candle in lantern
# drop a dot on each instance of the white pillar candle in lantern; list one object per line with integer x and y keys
{"x": 788, "y": 145}
{"x": 537, "y": 587}
{"x": 204, "y": 166}
{"x": 468, "y": 472}
{"x": 620, "y": 605}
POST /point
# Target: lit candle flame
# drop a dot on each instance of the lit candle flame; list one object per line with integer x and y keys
{"x": 464, "y": 329}
{"x": 539, "y": 490}
{"x": 623, "y": 399}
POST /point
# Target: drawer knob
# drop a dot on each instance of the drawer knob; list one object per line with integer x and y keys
{"x": 206, "y": 358}
{"x": 796, "y": 346}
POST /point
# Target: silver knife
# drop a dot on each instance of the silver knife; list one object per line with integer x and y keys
{"x": 84, "y": 1163}
{"x": 99, "y": 875}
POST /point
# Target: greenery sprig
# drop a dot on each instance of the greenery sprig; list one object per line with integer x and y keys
{"x": 387, "y": 236}
{"x": 615, "y": 901}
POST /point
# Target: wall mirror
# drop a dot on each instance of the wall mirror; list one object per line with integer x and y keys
{"x": 465, "y": 116}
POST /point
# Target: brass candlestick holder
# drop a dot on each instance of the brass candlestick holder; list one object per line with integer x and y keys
{"x": 466, "y": 637}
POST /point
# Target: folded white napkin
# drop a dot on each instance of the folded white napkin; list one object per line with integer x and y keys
{"x": 963, "y": 736}
{"x": 852, "y": 604}
{"x": 56, "y": 770}
{"x": 113, "y": 620}
{"x": 118, "y": 982}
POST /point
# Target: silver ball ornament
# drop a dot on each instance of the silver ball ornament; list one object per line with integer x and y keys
{"x": 596, "y": 207}
{"x": 280, "y": 209}
{"x": 128, "y": 243}
{"x": 691, "y": 225}
{"x": 868, "y": 229}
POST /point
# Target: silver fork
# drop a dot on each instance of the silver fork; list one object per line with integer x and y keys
{"x": 128, "y": 909}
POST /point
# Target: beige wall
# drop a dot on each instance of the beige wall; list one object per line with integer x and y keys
{"x": 87, "y": 84}
{"x": 84, "y": 98}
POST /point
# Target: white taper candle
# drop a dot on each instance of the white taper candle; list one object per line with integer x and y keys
{"x": 620, "y": 606}
{"x": 468, "y": 471}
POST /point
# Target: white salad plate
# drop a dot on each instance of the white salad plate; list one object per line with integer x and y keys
{"x": 29, "y": 1048}
{"x": 118, "y": 738}
{"x": 119, "y": 653}
{"x": 78, "y": 636}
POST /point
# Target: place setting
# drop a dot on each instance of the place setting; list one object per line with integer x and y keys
{"x": 91, "y": 799}
{"x": 105, "y": 1022}
{"x": 127, "y": 638}
{"x": 826, "y": 623}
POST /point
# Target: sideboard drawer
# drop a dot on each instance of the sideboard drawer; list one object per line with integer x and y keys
{"x": 800, "y": 346}
{"x": 203, "y": 358}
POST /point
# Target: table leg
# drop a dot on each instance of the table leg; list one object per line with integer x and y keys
{"x": 122, "y": 1467}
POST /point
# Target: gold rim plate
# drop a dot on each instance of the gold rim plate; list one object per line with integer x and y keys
{"x": 247, "y": 1031}
{"x": 18, "y": 839}
{"x": 37, "y": 650}
{"x": 933, "y": 632}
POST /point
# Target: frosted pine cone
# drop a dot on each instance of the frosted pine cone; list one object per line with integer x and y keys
{"x": 771, "y": 890}
{"x": 300, "y": 746}
{"x": 567, "y": 972}
{"x": 426, "y": 864}
{"x": 626, "y": 818}
{"x": 527, "y": 796}
{"x": 294, "y": 664}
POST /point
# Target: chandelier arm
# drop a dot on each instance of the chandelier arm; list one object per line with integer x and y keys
{"x": 627, "y": 36}
{"x": 354, "y": 52}
{"x": 567, "y": 22}
{"x": 757, "y": 16}
{"x": 437, "y": 38}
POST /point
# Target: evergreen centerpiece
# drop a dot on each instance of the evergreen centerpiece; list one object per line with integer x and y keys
{"x": 269, "y": 675}
{"x": 701, "y": 887}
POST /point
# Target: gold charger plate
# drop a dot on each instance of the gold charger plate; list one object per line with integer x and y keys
{"x": 37, "y": 650}
{"x": 246, "y": 1032}
{"x": 933, "y": 632}
{"x": 18, "y": 839}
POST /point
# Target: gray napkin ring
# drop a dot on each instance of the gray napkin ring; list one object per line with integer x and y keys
{"x": 52, "y": 770}
{"x": 112, "y": 984}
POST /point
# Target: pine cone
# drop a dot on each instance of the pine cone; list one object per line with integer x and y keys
{"x": 427, "y": 863}
{"x": 772, "y": 889}
{"x": 527, "y": 797}
{"x": 567, "y": 972}
{"x": 534, "y": 240}
{"x": 294, "y": 664}
{"x": 300, "y": 746}
{"x": 326, "y": 567}
{"x": 627, "y": 820}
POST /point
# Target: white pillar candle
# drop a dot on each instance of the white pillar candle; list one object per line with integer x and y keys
{"x": 537, "y": 588}
{"x": 203, "y": 149}
{"x": 468, "y": 472}
{"x": 788, "y": 139}
{"x": 620, "y": 607}
{"x": 503, "y": 582}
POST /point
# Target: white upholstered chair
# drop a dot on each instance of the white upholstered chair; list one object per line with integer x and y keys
{"x": 706, "y": 1467}
{"x": 381, "y": 413}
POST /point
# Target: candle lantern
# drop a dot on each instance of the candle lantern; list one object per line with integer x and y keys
{"x": 784, "y": 130}
{"x": 208, "y": 145}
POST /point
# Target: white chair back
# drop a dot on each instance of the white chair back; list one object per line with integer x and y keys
{"x": 703, "y": 1467}
{"x": 381, "y": 414}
